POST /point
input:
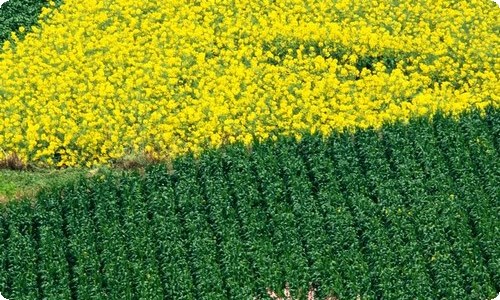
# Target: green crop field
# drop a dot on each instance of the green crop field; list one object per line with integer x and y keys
{"x": 219, "y": 149}
{"x": 406, "y": 212}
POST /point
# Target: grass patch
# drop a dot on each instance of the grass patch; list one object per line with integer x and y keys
{"x": 18, "y": 180}
{"x": 18, "y": 184}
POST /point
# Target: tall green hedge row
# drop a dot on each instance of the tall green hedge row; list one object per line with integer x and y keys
{"x": 407, "y": 212}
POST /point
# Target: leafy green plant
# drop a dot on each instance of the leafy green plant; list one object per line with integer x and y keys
{"x": 399, "y": 213}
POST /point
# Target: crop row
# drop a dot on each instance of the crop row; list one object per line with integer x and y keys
{"x": 406, "y": 212}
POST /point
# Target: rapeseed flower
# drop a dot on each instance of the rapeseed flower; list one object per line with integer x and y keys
{"x": 102, "y": 80}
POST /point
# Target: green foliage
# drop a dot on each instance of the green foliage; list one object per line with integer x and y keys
{"x": 17, "y": 13}
{"x": 406, "y": 212}
{"x": 396, "y": 217}
{"x": 285, "y": 238}
{"x": 223, "y": 218}
{"x": 7, "y": 188}
{"x": 196, "y": 231}
{"x": 252, "y": 216}
{"x": 84, "y": 252}
{"x": 346, "y": 276}
{"x": 171, "y": 250}
{"x": 21, "y": 251}
{"x": 53, "y": 266}
{"x": 17, "y": 184}
{"x": 3, "y": 249}
{"x": 466, "y": 184}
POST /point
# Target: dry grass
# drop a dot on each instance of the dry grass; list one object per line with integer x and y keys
{"x": 139, "y": 162}
{"x": 26, "y": 183}
{"x": 12, "y": 162}
{"x": 135, "y": 161}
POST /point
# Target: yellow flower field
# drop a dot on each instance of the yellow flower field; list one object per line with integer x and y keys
{"x": 103, "y": 79}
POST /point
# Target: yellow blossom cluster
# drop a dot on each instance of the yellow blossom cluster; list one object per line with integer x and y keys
{"x": 101, "y": 79}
